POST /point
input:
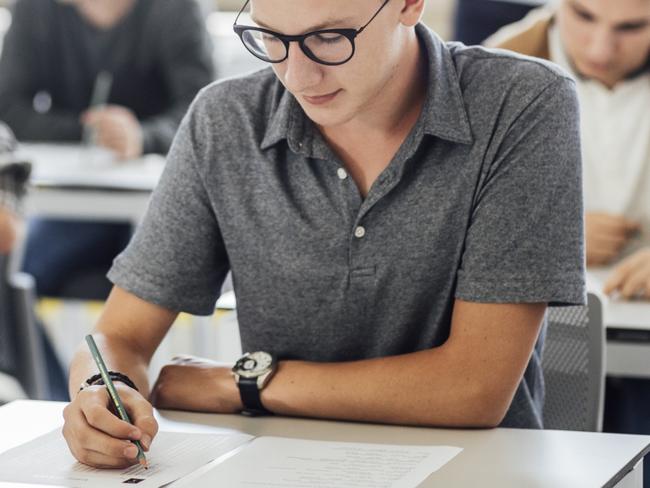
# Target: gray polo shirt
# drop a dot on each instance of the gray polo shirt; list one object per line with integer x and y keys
{"x": 482, "y": 203}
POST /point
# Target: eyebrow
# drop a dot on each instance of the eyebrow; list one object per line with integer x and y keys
{"x": 633, "y": 24}
{"x": 328, "y": 24}
{"x": 624, "y": 24}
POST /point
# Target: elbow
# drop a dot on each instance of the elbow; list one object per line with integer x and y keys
{"x": 493, "y": 404}
{"x": 481, "y": 407}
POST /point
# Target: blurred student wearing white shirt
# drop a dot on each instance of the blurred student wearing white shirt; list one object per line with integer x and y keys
{"x": 606, "y": 47}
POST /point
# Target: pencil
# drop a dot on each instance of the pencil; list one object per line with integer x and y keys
{"x": 98, "y": 98}
{"x": 117, "y": 401}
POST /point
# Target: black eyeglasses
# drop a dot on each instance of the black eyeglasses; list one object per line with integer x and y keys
{"x": 331, "y": 47}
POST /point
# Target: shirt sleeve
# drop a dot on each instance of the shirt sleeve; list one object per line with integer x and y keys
{"x": 186, "y": 67}
{"x": 20, "y": 78}
{"x": 525, "y": 239}
{"x": 177, "y": 258}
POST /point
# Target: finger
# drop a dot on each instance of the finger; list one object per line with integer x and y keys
{"x": 91, "y": 116}
{"x": 600, "y": 257}
{"x": 613, "y": 283}
{"x": 101, "y": 460}
{"x": 112, "y": 143}
{"x": 92, "y": 439}
{"x": 141, "y": 413}
{"x": 616, "y": 224}
{"x": 101, "y": 418}
{"x": 613, "y": 241}
{"x": 635, "y": 283}
{"x": 632, "y": 226}
{"x": 610, "y": 243}
{"x": 619, "y": 277}
{"x": 116, "y": 144}
{"x": 86, "y": 117}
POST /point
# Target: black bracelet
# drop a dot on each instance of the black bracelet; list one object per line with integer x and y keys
{"x": 114, "y": 375}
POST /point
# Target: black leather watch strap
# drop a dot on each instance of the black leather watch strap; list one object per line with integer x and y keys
{"x": 250, "y": 397}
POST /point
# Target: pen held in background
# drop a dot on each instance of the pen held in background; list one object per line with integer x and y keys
{"x": 99, "y": 97}
{"x": 112, "y": 392}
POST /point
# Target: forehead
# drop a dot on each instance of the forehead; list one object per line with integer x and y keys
{"x": 615, "y": 11}
{"x": 298, "y": 16}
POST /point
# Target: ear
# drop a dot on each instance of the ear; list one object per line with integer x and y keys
{"x": 411, "y": 12}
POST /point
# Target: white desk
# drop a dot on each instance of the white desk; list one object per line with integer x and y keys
{"x": 628, "y": 331}
{"x": 72, "y": 182}
{"x": 502, "y": 458}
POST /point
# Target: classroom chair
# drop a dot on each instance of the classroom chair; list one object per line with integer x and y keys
{"x": 22, "y": 353}
{"x": 573, "y": 362}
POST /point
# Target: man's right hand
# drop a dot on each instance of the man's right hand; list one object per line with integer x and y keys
{"x": 606, "y": 235}
{"x": 99, "y": 438}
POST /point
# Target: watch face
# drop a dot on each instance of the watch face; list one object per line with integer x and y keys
{"x": 253, "y": 364}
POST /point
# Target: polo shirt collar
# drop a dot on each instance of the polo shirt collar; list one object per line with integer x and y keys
{"x": 443, "y": 115}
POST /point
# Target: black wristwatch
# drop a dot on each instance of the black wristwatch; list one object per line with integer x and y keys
{"x": 252, "y": 372}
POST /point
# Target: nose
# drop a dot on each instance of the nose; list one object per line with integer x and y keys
{"x": 602, "y": 46}
{"x": 300, "y": 72}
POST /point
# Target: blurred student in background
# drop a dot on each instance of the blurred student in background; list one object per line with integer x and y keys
{"x": 14, "y": 174}
{"x": 158, "y": 55}
{"x": 13, "y": 178}
{"x": 606, "y": 46}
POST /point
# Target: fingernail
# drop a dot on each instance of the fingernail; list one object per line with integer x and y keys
{"x": 131, "y": 452}
{"x": 145, "y": 441}
{"x": 135, "y": 434}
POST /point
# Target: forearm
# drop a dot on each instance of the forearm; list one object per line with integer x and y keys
{"x": 127, "y": 334}
{"x": 118, "y": 356}
{"x": 424, "y": 388}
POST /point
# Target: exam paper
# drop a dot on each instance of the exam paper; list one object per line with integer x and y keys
{"x": 89, "y": 167}
{"x": 47, "y": 460}
{"x": 294, "y": 463}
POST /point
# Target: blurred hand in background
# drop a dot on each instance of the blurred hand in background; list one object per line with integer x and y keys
{"x": 116, "y": 128}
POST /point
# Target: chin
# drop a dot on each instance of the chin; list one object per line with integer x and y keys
{"x": 325, "y": 117}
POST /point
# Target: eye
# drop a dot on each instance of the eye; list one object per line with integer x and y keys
{"x": 328, "y": 38}
{"x": 268, "y": 38}
{"x": 631, "y": 26}
{"x": 583, "y": 14}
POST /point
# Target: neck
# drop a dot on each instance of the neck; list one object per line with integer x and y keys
{"x": 104, "y": 14}
{"x": 397, "y": 106}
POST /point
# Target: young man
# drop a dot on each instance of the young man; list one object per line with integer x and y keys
{"x": 395, "y": 212}
{"x": 158, "y": 55}
{"x": 606, "y": 47}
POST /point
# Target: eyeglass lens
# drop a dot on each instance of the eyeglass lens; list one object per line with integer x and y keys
{"x": 329, "y": 47}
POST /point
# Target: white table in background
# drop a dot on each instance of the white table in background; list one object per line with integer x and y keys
{"x": 628, "y": 331}
{"x": 496, "y": 458}
{"x": 73, "y": 182}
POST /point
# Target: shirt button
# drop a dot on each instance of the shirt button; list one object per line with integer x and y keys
{"x": 359, "y": 232}
{"x": 342, "y": 174}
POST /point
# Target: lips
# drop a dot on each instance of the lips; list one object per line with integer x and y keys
{"x": 321, "y": 99}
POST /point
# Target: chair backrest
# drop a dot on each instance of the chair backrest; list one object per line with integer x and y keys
{"x": 22, "y": 354}
{"x": 573, "y": 361}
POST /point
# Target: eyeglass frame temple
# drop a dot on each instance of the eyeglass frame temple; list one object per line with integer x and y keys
{"x": 359, "y": 30}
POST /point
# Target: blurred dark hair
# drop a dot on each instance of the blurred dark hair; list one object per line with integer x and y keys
{"x": 14, "y": 172}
